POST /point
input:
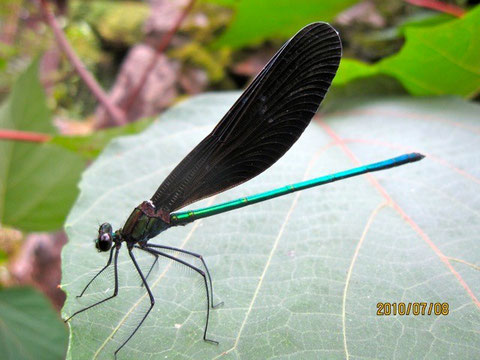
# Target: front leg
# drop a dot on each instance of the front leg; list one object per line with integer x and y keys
{"x": 151, "y": 267}
{"x": 115, "y": 291}
{"x": 106, "y": 266}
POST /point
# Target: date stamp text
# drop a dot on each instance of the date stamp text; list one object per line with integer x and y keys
{"x": 415, "y": 308}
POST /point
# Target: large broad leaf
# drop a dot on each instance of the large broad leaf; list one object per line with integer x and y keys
{"x": 255, "y": 21}
{"x": 37, "y": 181}
{"x": 300, "y": 275}
{"x": 29, "y": 327}
{"x": 435, "y": 60}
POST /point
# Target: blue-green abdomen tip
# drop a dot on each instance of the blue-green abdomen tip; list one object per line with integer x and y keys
{"x": 413, "y": 157}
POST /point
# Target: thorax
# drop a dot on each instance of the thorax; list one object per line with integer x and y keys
{"x": 144, "y": 223}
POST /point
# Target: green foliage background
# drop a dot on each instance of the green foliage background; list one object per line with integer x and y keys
{"x": 30, "y": 329}
{"x": 435, "y": 60}
{"x": 52, "y": 172}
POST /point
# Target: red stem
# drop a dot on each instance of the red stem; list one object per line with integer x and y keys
{"x": 158, "y": 51}
{"x": 116, "y": 113}
{"x": 439, "y": 6}
{"x": 24, "y": 136}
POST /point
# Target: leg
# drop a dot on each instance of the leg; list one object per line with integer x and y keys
{"x": 151, "y": 267}
{"x": 199, "y": 272}
{"x": 106, "y": 266}
{"x": 115, "y": 291}
{"x": 152, "y": 301}
{"x": 200, "y": 257}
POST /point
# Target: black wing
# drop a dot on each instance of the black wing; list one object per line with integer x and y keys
{"x": 263, "y": 123}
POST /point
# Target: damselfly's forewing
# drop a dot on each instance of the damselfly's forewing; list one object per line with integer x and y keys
{"x": 263, "y": 123}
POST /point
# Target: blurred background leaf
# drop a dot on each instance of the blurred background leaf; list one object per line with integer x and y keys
{"x": 30, "y": 327}
{"x": 38, "y": 181}
{"x": 90, "y": 146}
{"x": 427, "y": 19}
{"x": 255, "y": 21}
{"x": 435, "y": 60}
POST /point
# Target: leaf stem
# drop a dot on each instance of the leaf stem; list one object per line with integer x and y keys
{"x": 24, "y": 136}
{"x": 115, "y": 112}
{"x": 439, "y": 6}
{"x": 158, "y": 51}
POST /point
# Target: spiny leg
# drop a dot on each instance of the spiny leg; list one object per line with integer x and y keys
{"x": 115, "y": 291}
{"x": 151, "y": 267}
{"x": 152, "y": 301}
{"x": 199, "y": 271}
{"x": 198, "y": 256}
{"x": 106, "y": 266}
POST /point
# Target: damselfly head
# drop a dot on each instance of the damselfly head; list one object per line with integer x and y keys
{"x": 105, "y": 237}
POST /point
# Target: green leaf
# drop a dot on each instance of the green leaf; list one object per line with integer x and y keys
{"x": 300, "y": 275}
{"x": 37, "y": 181}
{"x": 362, "y": 88}
{"x": 255, "y": 21}
{"x": 425, "y": 19}
{"x": 29, "y": 327}
{"x": 435, "y": 60}
{"x": 351, "y": 69}
{"x": 89, "y": 146}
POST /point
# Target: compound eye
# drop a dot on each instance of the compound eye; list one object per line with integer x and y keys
{"x": 104, "y": 242}
{"x": 105, "y": 228}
